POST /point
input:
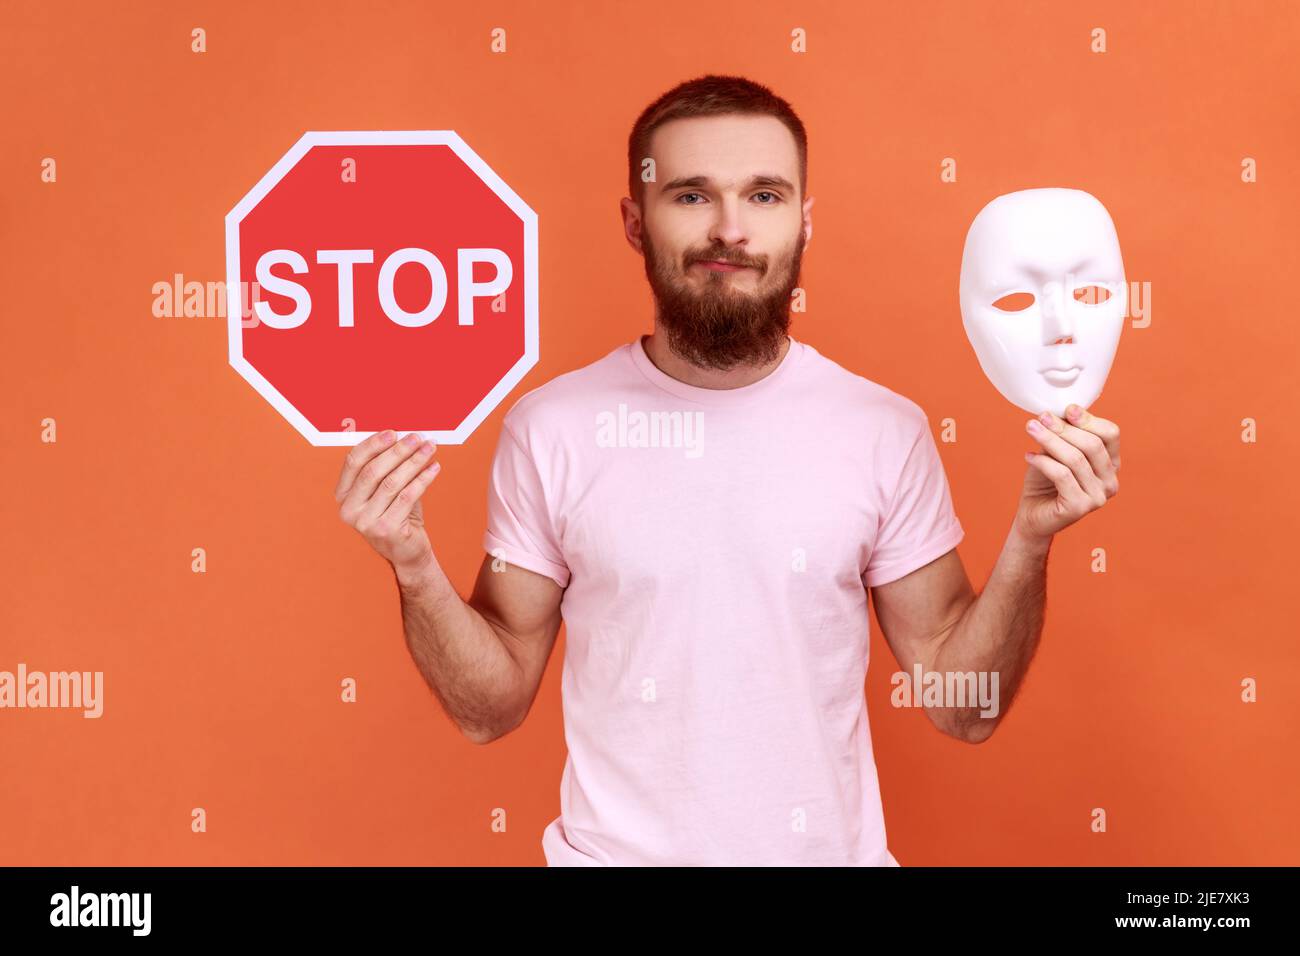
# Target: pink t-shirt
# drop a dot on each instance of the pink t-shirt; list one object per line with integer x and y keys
{"x": 715, "y": 546}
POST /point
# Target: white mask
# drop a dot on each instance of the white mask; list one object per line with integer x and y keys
{"x": 1060, "y": 247}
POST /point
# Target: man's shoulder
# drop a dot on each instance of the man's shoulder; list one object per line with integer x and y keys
{"x": 548, "y": 407}
{"x": 877, "y": 404}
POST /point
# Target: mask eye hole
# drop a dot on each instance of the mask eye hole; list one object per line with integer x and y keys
{"x": 1091, "y": 294}
{"x": 1014, "y": 302}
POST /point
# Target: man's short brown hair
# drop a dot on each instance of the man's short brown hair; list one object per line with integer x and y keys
{"x": 710, "y": 95}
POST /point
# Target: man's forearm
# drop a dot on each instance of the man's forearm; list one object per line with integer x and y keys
{"x": 457, "y": 651}
{"x": 999, "y": 631}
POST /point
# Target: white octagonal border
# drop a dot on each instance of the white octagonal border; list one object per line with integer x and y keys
{"x": 234, "y": 298}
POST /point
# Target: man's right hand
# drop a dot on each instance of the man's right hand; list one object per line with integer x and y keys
{"x": 379, "y": 494}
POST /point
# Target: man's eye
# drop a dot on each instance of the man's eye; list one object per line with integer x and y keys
{"x": 775, "y": 198}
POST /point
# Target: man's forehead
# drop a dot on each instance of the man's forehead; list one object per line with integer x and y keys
{"x": 724, "y": 151}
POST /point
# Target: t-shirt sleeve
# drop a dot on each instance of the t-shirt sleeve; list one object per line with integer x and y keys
{"x": 920, "y": 523}
{"x": 519, "y": 527}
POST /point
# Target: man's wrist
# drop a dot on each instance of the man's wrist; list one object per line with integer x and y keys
{"x": 416, "y": 575}
{"x": 1026, "y": 546}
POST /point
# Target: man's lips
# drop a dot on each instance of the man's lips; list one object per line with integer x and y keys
{"x": 718, "y": 266}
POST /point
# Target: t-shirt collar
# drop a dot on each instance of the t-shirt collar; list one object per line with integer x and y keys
{"x": 716, "y": 396}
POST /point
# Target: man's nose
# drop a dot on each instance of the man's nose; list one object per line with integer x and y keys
{"x": 727, "y": 225}
{"x": 1057, "y": 322}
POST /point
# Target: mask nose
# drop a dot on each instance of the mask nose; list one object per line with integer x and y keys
{"x": 1057, "y": 323}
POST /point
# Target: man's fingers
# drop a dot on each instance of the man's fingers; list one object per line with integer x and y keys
{"x": 1071, "y": 457}
{"x": 1094, "y": 449}
{"x": 1103, "y": 428}
{"x": 1061, "y": 476}
{"x": 405, "y": 500}
{"x": 356, "y": 459}
{"x": 375, "y": 471}
{"x": 390, "y": 490}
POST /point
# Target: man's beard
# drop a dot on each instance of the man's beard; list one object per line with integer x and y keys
{"x": 719, "y": 326}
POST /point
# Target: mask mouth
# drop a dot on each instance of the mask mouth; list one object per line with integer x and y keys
{"x": 1063, "y": 375}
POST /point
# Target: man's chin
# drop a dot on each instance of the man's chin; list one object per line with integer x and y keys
{"x": 713, "y": 321}
{"x": 725, "y": 348}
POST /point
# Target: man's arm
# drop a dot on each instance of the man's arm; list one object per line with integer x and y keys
{"x": 932, "y": 616}
{"x": 484, "y": 658}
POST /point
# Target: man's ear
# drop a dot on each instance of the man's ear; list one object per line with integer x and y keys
{"x": 807, "y": 219}
{"x": 631, "y": 215}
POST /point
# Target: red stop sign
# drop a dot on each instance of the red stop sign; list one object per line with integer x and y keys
{"x": 393, "y": 283}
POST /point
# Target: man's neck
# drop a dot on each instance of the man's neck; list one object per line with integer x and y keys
{"x": 672, "y": 364}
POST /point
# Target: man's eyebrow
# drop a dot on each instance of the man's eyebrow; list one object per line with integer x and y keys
{"x": 761, "y": 179}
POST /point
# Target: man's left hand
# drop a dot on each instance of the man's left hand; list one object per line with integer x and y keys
{"x": 1073, "y": 474}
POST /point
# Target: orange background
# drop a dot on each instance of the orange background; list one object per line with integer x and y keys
{"x": 222, "y": 689}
